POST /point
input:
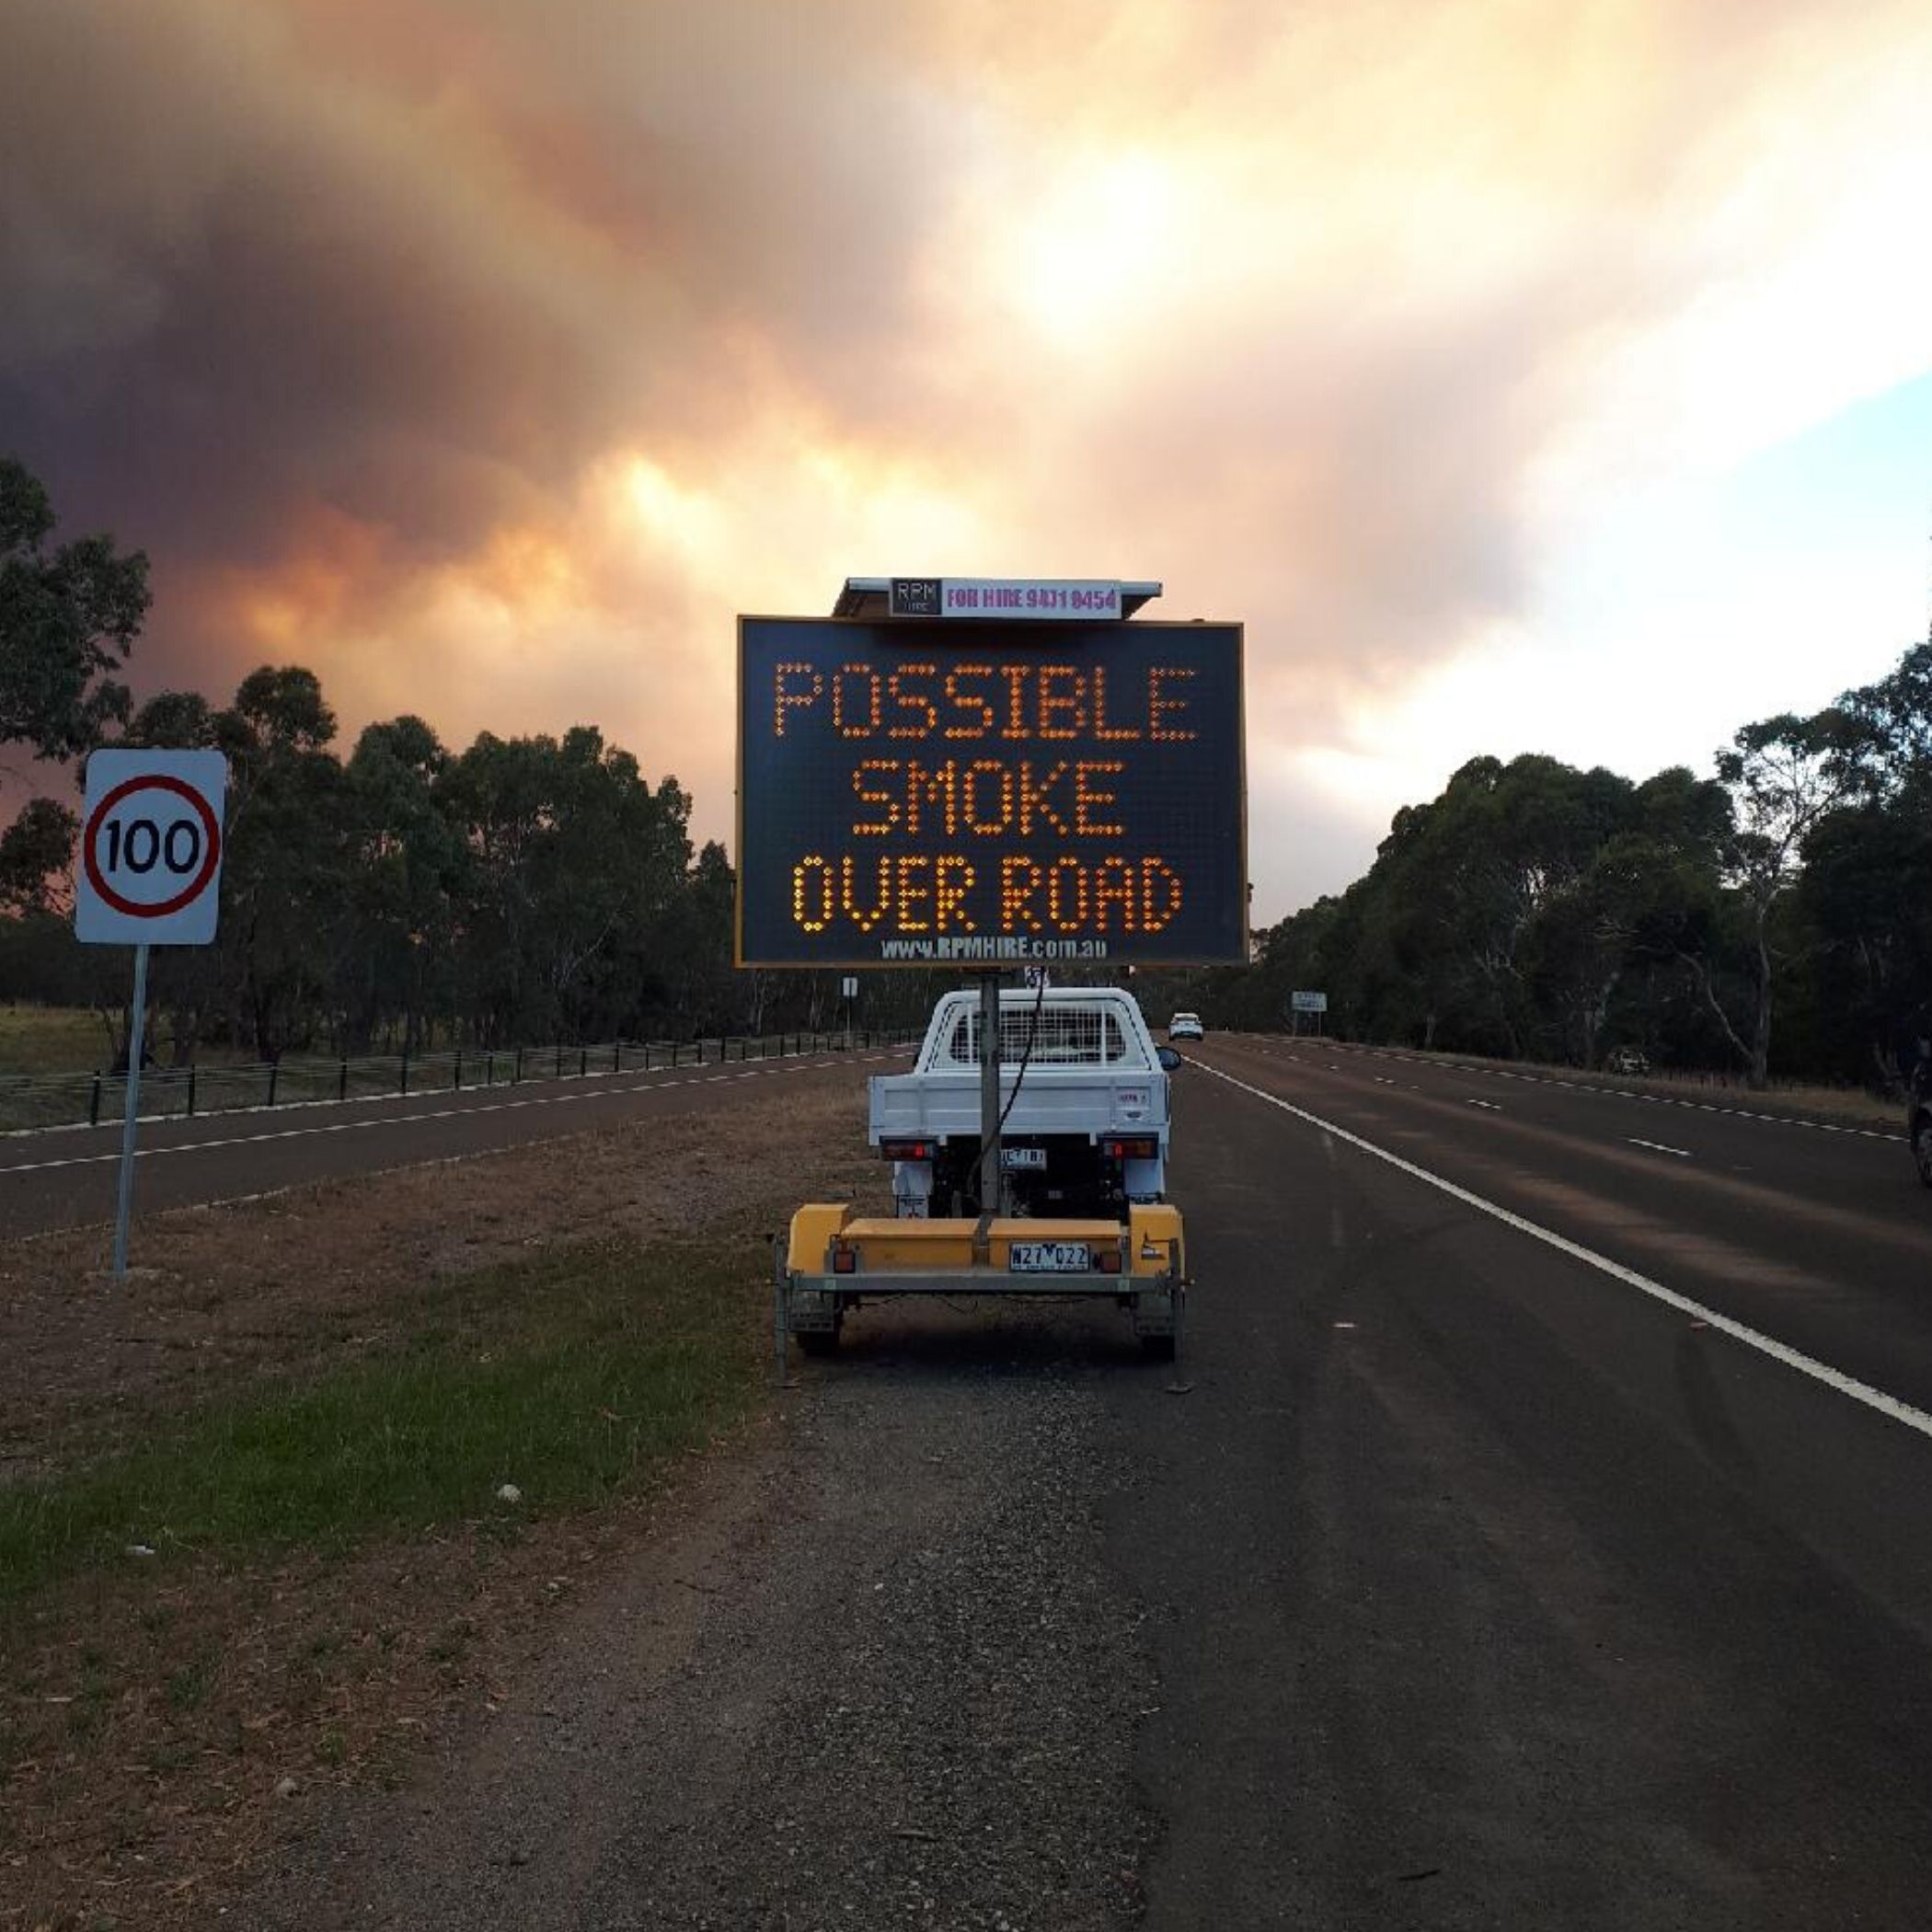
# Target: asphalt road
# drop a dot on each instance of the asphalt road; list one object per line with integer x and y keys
{"x": 66, "y": 1177}
{"x": 1534, "y": 1532}
{"x": 1493, "y": 1590}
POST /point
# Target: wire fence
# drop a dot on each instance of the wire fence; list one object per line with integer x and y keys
{"x": 34, "y": 1101}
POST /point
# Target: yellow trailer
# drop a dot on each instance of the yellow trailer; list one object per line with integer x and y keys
{"x": 834, "y": 1260}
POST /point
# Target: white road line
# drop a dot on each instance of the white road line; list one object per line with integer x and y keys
{"x": 406, "y": 1120}
{"x": 1490, "y": 1105}
{"x": 1658, "y": 1147}
{"x": 1587, "y": 1086}
{"x": 283, "y": 1108}
{"x": 1861, "y": 1392}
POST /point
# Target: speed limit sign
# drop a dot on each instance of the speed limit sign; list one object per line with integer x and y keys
{"x": 150, "y": 868}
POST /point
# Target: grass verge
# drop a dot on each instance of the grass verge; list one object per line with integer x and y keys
{"x": 51, "y": 1040}
{"x": 573, "y": 1376}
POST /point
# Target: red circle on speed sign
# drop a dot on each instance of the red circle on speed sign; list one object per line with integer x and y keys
{"x": 211, "y": 847}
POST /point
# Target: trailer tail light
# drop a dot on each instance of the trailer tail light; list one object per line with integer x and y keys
{"x": 909, "y": 1150}
{"x": 845, "y": 1261}
{"x": 1107, "y": 1260}
{"x": 1130, "y": 1147}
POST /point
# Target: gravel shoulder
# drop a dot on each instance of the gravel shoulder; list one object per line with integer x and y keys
{"x": 882, "y": 1677}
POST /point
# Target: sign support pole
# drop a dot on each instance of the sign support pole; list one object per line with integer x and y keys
{"x": 989, "y": 1098}
{"x": 137, "y": 1028}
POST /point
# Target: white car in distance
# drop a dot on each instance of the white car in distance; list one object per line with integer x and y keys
{"x": 1185, "y": 1026}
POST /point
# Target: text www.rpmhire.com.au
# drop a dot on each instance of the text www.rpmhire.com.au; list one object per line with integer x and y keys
{"x": 965, "y": 947}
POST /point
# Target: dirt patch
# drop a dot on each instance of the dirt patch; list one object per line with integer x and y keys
{"x": 267, "y": 1287}
{"x": 161, "y": 1731}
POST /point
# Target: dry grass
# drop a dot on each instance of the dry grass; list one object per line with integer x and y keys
{"x": 52, "y": 1040}
{"x": 150, "y": 1708}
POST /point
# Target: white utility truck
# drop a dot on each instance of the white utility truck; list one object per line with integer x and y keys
{"x": 1072, "y": 1204}
{"x": 1082, "y": 1108}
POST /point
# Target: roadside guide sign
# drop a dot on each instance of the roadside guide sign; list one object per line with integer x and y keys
{"x": 150, "y": 874}
{"x": 1309, "y": 1002}
{"x": 981, "y": 789}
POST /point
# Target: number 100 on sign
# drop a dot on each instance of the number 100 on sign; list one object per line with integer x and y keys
{"x": 151, "y": 849}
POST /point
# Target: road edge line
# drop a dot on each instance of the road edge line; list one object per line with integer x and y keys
{"x": 1778, "y": 1351}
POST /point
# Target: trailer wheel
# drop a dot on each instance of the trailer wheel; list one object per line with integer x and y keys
{"x": 816, "y": 1341}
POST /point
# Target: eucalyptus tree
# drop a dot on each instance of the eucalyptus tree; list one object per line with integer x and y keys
{"x": 69, "y": 615}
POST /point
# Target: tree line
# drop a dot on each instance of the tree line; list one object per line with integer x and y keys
{"x": 1773, "y": 919}
{"x": 397, "y": 897}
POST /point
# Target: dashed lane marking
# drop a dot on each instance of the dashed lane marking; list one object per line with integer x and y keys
{"x": 657, "y": 1083}
{"x": 1778, "y": 1351}
{"x": 1658, "y": 1147}
{"x": 1589, "y": 1087}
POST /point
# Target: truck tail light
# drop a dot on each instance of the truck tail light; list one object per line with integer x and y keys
{"x": 909, "y": 1150}
{"x": 1130, "y": 1147}
{"x": 1107, "y": 1260}
{"x": 845, "y": 1261}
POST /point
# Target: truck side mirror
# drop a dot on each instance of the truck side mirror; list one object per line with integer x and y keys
{"x": 1169, "y": 1057}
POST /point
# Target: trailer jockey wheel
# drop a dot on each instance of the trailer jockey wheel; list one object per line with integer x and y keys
{"x": 819, "y": 1341}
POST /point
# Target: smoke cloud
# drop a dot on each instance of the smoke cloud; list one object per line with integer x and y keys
{"x": 487, "y": 355}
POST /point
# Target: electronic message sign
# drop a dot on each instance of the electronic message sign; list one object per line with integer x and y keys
{"x": 974, "y": 793}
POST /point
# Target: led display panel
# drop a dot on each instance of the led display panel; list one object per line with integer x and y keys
{"x": 988, "y": 794}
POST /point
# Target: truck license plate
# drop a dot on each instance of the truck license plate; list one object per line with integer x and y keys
{"x": 1049, "y": 1257}
{"x": 1022, "y": 1157}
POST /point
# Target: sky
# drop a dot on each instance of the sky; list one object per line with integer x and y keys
{"x": 1526, "y": 377}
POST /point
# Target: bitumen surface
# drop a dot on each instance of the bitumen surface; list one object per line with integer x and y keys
{"x": 66, "y": 1177}
{"x": 1535, "y": 1531}
{"x": 1495, "y": 1589}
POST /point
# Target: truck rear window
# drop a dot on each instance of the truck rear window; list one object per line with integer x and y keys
{"x": 1066, "y": 1036}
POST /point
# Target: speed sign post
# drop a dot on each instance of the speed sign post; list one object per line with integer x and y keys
{"x": 150, "y": 874}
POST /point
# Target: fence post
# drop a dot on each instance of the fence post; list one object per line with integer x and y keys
{"x": 559, "y": 1060}
{"x": 617, "y": 1058}
{"x": 274, "y": 1069}
{"x": 404, "y": 1087}
{"x": 456, "y": 1071}
{"x": 342, "y": 1079}
{"x": 489, "y": 1067}
{"x": 583, "y": 1062}
{"x": 94, "y": 1101}
{"x": 517, "y": 1071}
{"x": 191, "y": 1093}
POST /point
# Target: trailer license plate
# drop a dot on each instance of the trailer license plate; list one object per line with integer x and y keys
{"x": 1049, "y": 1257}
{"x": 1022, "y": 1157}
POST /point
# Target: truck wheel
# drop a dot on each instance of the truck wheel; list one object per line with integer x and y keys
{"x": 816, "y": 1341}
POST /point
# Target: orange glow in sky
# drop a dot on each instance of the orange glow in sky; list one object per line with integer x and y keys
{"x": 1527, "y": 378}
